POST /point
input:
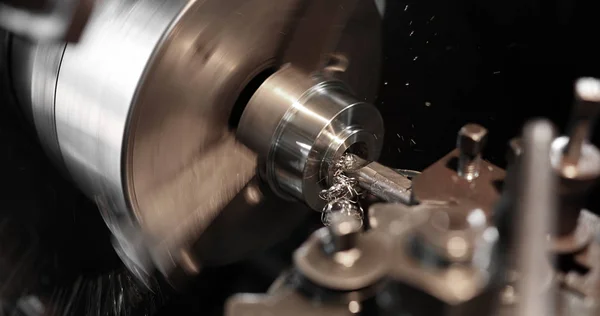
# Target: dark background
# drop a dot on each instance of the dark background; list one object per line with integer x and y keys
{"x": 446, "y": 63}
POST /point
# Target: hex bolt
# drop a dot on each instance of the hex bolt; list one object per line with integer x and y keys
{"x": 470, "y": 142}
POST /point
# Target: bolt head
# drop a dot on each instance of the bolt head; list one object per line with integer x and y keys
{"x": 471, "y": 139}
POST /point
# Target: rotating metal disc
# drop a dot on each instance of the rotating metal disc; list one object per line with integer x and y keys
{"x": 182, "y": 156}
{"x": 141, "y": 110}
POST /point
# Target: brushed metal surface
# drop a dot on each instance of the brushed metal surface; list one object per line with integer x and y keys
{"x": 35, "y": 71}
{"x": 184, "y": 163}
{"x": 138, "y": 112}
{"x": 302, "y": 126}
{"x": 98, "y": 79}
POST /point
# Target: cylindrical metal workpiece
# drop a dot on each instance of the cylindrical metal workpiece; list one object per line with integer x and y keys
{"x": 302, "y": 126}
{"x": 383, "y": 182}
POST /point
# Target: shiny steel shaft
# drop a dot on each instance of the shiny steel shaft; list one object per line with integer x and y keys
{"x": 536, "y": 210}
{"x": 383, "y": 182}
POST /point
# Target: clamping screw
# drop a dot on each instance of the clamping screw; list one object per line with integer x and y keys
{"x": 342, "y": 239}
{"x": 577, "y": 162}
{"x": 344, "y": 231}
{"x": 585, "y": 112}
{"x": 470, "y": 142}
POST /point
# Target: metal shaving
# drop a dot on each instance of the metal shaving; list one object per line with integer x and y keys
{"x": 344, "y": 193}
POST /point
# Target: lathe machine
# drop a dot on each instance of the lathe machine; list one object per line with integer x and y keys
{"x": 207, "y": 131}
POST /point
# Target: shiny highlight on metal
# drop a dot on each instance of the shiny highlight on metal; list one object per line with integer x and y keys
{"x": 536, "y": 209}
{"x": 383, "y": 182}
{"x": 470, "y": 143}
{"x": 302, "y": 125}
{"x": 576, "y": 161}
{"x": 136, "y": 113}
